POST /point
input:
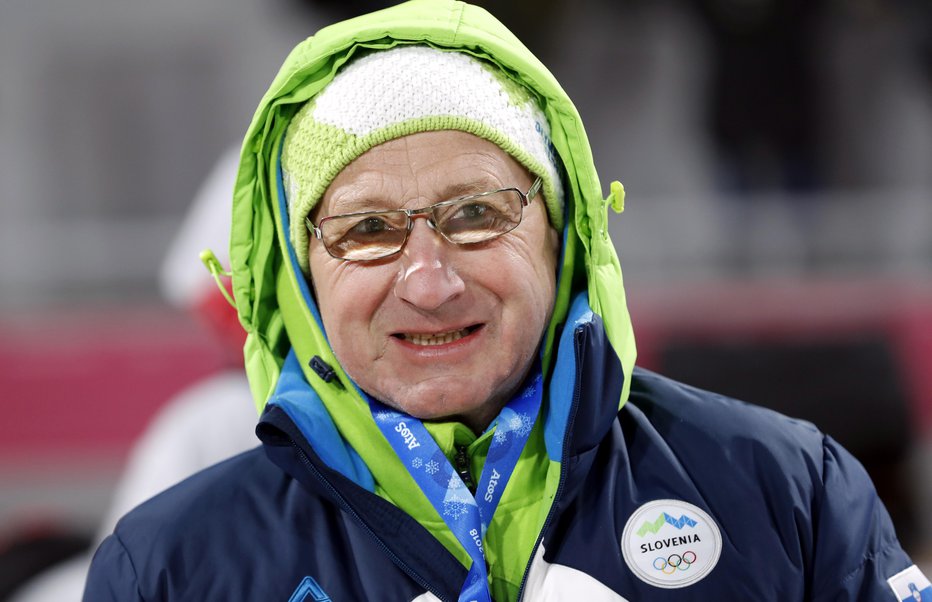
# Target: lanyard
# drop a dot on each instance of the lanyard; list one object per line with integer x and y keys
{"x": 467, "y": 517}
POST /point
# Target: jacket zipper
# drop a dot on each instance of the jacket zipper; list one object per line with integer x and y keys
{"x": 461, "y": 463}
{"x": 348, "y": 509}
{"x": 564, "y": 461}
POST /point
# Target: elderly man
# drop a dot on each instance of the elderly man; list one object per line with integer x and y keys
{"x": 440, "y": 349}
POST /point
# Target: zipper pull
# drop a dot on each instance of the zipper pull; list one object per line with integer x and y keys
{"x": 461, "y": 460}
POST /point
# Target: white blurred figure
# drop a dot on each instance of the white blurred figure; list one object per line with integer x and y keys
{"x": 209, "y": 421}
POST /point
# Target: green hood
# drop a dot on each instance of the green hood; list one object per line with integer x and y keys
{"x": 267, "y": 284}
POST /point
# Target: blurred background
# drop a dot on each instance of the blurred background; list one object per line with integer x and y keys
{"x": 777, "y": 240}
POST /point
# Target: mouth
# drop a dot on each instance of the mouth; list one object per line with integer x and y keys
{"x": 438, "y": 338}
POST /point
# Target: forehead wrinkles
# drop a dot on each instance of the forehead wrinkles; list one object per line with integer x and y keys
{"x": 404, "y": 174}
{"x": 356, "y": 193}
{"x": 437, "y": 163}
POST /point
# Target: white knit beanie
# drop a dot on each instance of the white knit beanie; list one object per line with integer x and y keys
{"x": 409, "y": 89}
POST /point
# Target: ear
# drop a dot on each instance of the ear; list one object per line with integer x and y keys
{"x": 309, "y": 276}
{"x": 553, "y": 240}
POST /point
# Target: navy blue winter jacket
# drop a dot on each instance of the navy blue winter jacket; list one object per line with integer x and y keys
{"x": 758, "y": 506}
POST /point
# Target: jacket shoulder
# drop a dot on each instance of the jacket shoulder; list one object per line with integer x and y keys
{"x": 206, "y": 531}
{"x": 799, "y": 490}
{"x": 196, "y": 500}
{"x": 691, "y": 415}
{"x": 747, "y": 450}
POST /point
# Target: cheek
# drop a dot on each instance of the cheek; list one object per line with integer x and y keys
{"x": 347, "y": 298}
{"x": 526, "y": 283}
{"x": 346, "y": 317}
{"x": 321, "y": 278}
{"x": 352, "y": 298}
{"x": 544, "y": 285}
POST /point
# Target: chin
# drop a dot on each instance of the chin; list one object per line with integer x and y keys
{"x": 475, "y": 413}
{"x": 449, "y": 397}
{"x": 434, "y": 408}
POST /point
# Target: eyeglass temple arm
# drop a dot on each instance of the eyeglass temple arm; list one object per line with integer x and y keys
{"x": 533, "y": 190}
{"x": 314, "y": 229}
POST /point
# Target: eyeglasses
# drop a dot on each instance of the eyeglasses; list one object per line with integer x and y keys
{"x": 371, "y": 235}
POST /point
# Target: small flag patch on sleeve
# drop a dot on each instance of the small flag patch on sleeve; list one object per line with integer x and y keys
{"x": 911, "y": 584}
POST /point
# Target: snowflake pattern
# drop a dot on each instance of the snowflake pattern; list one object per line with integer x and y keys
{"x": 521, "y": 424}
{"x": 455, "y": 482}
{"x": 432, "y": 467}
{"x": 501, "y": 436}
{"x": 417, "y": 462}
{"x": 384, "y": 415}
{"x": 455, "y": 509}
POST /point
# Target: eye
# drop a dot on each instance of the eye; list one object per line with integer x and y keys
{"x": 479, "y": 218}
{"x": 366, "y": 236}
{"x": 368, "y": 226}
{"x": 344, "y": 230}
{"x": 474, "y": 212}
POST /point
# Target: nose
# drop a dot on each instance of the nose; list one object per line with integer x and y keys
{"x": 427, "y": 277}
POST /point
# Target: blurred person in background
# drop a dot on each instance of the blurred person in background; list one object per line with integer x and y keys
{"x": 438, "y": 334}
{"x": 210, "y": 420}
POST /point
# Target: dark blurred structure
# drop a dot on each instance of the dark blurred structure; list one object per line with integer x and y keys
{"x": 532, "y": 21}
{"x": 918, "y": 14}
{"x": 28, "y": 552}
{"x": 763, "y": 101}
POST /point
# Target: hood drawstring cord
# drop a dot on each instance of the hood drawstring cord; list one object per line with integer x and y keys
{"x": 216, "y": 270}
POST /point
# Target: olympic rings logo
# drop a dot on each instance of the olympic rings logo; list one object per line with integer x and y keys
{"x": 675, "y": 562}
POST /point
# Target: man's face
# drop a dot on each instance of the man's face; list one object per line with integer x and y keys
{"x": 437, "y": 330}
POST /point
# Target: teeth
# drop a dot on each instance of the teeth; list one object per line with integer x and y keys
{"x": 436, "y": 339}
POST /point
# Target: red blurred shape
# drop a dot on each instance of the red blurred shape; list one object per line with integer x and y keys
{"x": 87, "y": 381}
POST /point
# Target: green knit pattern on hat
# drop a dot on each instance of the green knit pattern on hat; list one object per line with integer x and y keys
{"x": 322, "y": 140}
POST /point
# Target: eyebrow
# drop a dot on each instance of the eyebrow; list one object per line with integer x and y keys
{"x": 359, "y": 205}
{"x": 377, "y": 202}
{"x": 465, "y": 189}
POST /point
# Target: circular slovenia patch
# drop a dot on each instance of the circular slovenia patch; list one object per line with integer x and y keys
{"x": 670, "y": 543}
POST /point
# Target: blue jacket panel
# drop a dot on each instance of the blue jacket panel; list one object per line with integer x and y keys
{"x": 797, "y": 515}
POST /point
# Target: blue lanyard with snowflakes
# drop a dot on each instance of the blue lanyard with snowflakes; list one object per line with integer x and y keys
{"x": 467, "y": 516}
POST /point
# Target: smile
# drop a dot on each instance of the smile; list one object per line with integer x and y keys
{"x": 440, "y": 338}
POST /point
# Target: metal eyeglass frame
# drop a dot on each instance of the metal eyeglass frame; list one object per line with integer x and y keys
{"x": 526, "y": 198}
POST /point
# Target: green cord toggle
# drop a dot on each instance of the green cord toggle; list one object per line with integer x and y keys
{"x": 216, "y": 270}
{"x": 617, "y": 197}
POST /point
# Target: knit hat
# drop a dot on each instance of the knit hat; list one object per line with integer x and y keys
{"x": 405, "y": 90}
